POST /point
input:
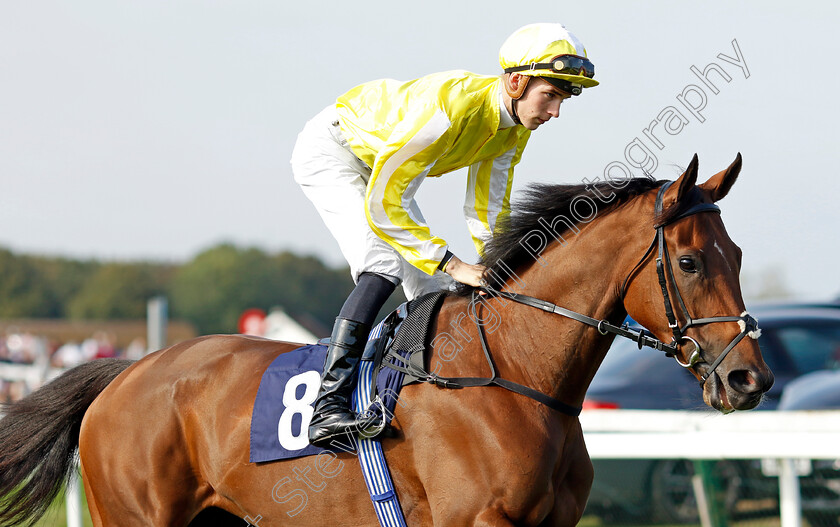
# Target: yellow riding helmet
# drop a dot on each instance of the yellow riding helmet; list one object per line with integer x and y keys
{"x": 549, "y": 51}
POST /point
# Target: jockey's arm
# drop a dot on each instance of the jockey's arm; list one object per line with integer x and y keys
{"x": 400, "y": 167}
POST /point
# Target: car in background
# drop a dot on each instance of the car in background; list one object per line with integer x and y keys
{"x": 796, "y": 339}
{"x": 819, "y": 390}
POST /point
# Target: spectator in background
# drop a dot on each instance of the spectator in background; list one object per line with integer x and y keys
{"x": 105, "y": 345}
{"x": 68, "y": 355}
{"x": 135, "y": 350}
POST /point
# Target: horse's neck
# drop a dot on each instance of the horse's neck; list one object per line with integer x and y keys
{"x": 551, "y": 353}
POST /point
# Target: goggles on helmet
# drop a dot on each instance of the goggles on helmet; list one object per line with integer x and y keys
{"x": 563, "y": 64}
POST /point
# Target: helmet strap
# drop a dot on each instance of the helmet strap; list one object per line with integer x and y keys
{"x": 515, "y": 115}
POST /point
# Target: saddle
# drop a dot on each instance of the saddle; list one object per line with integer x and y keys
{"x": 396, "y": 349}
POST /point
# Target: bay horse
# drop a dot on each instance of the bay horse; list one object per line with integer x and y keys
{"x": 165, "y": 441}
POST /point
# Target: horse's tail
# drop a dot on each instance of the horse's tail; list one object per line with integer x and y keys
{"x": 39, "y": 436}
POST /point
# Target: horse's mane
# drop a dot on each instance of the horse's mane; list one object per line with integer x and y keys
{"x": 542, "y": 203}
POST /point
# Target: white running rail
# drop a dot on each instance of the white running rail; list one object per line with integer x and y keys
{"x": 781, "y": 436}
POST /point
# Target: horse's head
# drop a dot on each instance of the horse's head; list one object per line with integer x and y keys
{"x": 697, "y": 283}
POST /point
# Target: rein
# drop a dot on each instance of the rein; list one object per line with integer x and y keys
{"x": 642, "y": 338}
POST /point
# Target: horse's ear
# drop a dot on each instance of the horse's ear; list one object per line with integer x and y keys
{"x": 683, "y": 185}
{"x": 718, "y": 185}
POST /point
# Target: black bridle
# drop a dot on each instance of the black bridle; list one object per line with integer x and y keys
{"x": 663, "y": 266}
{"x": 663, "y": 269}
{"x": 665, "y": 272}
{"x": 642, "y": 337}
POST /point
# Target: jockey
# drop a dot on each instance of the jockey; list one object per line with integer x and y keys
{"x": 361, "y": 160}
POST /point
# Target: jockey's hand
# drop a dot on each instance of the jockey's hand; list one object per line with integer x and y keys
{"x": 470, "y": 274}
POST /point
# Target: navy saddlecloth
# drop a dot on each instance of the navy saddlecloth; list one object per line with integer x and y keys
{"x": 281, "y": 406}
{"x": 285, "y": 402}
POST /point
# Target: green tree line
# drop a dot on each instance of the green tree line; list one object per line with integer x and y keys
{"x": 210, "y": 291}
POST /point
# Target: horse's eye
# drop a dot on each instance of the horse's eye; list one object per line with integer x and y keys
{"x": 687, "y": 264}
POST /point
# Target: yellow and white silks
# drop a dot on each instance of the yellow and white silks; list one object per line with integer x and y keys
{"x": 428, "y": 127}
{"x": 397, "y": 134}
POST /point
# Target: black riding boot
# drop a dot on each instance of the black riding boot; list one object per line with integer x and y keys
{"x": 333, "y": 414}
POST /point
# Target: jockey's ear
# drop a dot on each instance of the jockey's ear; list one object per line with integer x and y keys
{"x": 717, "y": 187}
{"x": 515, "y": 84}
{"x": 683, "y": 185}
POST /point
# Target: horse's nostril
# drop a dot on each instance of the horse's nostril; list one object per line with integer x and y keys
{"x": 744, "y": 381}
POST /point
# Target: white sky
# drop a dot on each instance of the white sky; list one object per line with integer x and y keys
{"x": 155, "y": 129}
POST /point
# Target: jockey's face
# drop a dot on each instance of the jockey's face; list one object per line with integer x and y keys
{"x": 540, "y": 102}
